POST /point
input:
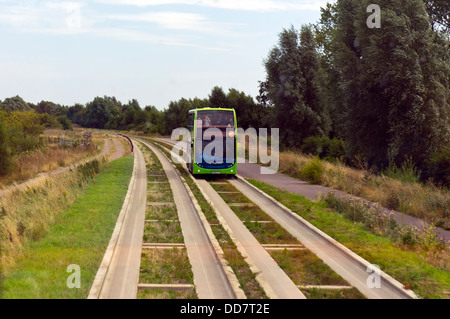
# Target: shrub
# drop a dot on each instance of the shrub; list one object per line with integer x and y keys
{"x": 313, "y": 171}
{"x": 408, "y": 172}
{"x": 65, "y": 123}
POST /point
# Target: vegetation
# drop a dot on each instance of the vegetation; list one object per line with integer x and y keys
{"x": 396, "y": 188}
{"x": 63, "y": 222}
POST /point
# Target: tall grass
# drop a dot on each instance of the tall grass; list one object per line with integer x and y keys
{"x": 26, "y": 215}
{"x": 48, "y": 158}
{"x": 397, "y": 189}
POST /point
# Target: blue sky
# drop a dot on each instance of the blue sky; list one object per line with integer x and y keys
{"x": 155, "y": 51}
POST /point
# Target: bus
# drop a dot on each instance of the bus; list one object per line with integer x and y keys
{"x": 213, "y": 141}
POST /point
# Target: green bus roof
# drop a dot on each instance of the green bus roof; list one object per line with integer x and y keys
{"x": 212, "y": 109}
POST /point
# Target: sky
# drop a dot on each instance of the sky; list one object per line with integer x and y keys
{"x": 154, "y": 51}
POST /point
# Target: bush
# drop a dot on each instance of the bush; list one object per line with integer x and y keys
{"x": 65, "y": 123}
{"x": 313, "y": 171}
{"x": 408, "y": 172}
{"x": 324, "y": 147}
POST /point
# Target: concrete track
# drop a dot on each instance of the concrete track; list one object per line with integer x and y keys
{"x": 210, "y": 279}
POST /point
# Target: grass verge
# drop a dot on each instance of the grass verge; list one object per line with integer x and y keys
{"x": 78, "y": 236}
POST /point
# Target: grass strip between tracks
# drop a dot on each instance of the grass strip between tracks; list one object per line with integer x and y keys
{"x": 78, "y": 237}
{"x": 425, "y": 270}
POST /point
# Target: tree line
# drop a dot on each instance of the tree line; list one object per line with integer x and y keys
{"x": 384, "y": 92}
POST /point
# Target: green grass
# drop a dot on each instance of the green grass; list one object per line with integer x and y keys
{"x": 425, "y": 270}
{"x": 79, "y": 236}
{"x": 166, "y": 266}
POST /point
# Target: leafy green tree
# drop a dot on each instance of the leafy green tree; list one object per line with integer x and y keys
{"x": 155, "y": 120}
{"x": 74, "y": 113}
{"x": 176, "y": 115}
{"x": 290, "y": 86}
{"x": 99, "y": 112}
{"x": 218, "y": 98}
{"x": 248, "y": 113}
{"x": 50, "y": 108}
{"x": 438, "y": 11}
{"x": 15, "y": 103}
{"x": 392, "y": 82}
{"x": 65, "y": 123}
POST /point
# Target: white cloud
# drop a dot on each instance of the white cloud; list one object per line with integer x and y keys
{"x": 46, "y": 17}
{"x": 181, "y": 21}
{"x": 244, "y": 5}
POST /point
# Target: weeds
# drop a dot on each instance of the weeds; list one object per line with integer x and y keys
{"x": 375, "y": 220}
{"x": 402, "y": 193}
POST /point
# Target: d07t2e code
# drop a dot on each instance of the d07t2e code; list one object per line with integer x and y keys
{"x": 246, "y": 308}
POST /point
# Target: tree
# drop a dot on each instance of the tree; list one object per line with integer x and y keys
{"x": 50, "y": 108}
{"x": 393, "y": 82}
{"x": 218, "y": 98}
{"x": 99, "y": 112}
{"x": 65, "y": 122}
{"x": 15, "y": 103}
{"x": 438, "y": 11}
{"x": 248, "y": 113}
{"x": 290, "y": 86}
{"x": 176, "y": 115}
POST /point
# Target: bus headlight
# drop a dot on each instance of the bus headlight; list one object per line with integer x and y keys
{"x": 231, "y": 134}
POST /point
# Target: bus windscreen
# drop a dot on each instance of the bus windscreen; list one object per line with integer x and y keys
{"x": 216, "y": 118}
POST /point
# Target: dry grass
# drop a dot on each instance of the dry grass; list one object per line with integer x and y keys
{"x": 423, "y": 201}
{"x": 26, "y": 215}
{"x": 50, "y": 157}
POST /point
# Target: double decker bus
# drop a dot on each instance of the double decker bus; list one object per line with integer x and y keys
{"x": 213, "y": 141}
